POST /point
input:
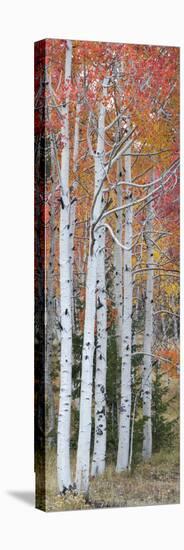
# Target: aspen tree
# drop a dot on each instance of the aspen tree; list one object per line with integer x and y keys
{"x": 64, "y": 416}
{"x": 125, "y": 400}
{"x": 148, "y": 337}
{"x": 99, "y": 453}
{"x": 84, "y": 439}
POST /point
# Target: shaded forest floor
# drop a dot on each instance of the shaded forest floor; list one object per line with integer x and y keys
{"x": 156, "y": 482}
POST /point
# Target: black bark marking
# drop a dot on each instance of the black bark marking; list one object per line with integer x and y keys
{"x": 99, "y": 431}
{"x": 99, "y": 304}
{"x": 62, "y": 203}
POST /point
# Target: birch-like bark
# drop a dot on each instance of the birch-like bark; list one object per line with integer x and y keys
{"x": 125, "y": 402}
{"x": 64, "y": 416}
{"x": 138, "y": 293}
{"x": 73, "y": 206}
{"x": 118, "y": 264}
{"x": 118, "y": 255}
{"x": 99, "y": 453}
{"x": 118, "y": 283}
{"x": 84, "y": 440}
{"x": 50, "y": 326}
{"x": 148, "y": 337}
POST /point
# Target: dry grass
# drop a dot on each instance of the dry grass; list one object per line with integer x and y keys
{"x": 156, "y": 482}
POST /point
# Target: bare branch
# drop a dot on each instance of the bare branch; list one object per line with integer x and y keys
{"x": 142, "y": 198}
{"x": 147, "y": 185}
{"x": 113, "y": 122}
{"x": 166, "y": 311}
{"x": 170, "y": 271}
{"x": 152, "y": 355}
{"x": 116, "y": 239}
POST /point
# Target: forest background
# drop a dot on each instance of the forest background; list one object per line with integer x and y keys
{"x": 163, "y": 26}
{"x": 114, "y": 110}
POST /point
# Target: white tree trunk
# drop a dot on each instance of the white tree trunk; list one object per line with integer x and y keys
{"x": 148, "y": 337}
{"x": 118, "y": 283}
{"x": 99, "y": 453}
{"x": 64, "y": 416}
{"x": 125, "y": 404}
{"x": 118, "y": 265}
{"x": 73, "y": 206}
{"x": 138, "y": 288}
{"x": 84, "y": 440}
{"x": 50, "y": 318}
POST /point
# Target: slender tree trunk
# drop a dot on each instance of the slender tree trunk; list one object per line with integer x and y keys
{"x": 148, "y": 337}
{"x": 175, "y": 326}
{"x": 73, "y": 206}
{"x": 50, "y": 417}
{"x": 163, "y": 323}
{"x": 84, "y": 440}
{"x": 118, "y": 283}
{"x": 63, "y": 438}
{"x": 99, "y": 453}
{"x": 125, "y": 405}
{"x": 138, "y": 290}
{"x": 118, "y": 264}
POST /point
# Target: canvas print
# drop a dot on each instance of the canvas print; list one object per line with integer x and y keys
{"x": 106, "y": 275}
